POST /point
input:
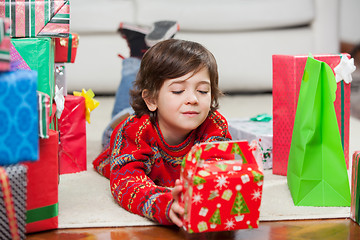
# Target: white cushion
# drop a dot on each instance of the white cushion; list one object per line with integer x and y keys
{"x": 226, "y": 15}
{"x": 95, "y": 16}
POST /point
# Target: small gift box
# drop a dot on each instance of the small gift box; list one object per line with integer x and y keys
{"x": 287, "y": 74}
{"x": 39, "y": 18}
{"x": 60, "y": 77}
{"x": 4, "y": 44}
{"x": 42, "y": 194}
{"x": 222, "y": 187}
{"x": 13, "y": 201}
{"x": 72, "y": 128}
{"x": 36, "y": 54}
{"x": 355, "y": 188}
{"x": 258, "y": 130}
{"x": 65, "y": 48}
{"x": 18, "y": 117}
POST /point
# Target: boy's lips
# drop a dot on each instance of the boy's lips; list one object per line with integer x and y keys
{"x": 190, "y": 113}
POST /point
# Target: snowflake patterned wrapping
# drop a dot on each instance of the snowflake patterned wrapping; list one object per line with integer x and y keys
{"x": 221, "y": 193}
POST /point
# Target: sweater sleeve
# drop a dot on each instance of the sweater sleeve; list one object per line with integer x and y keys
{"x": 131, "y": 161}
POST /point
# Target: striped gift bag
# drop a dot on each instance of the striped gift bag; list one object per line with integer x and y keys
{"x": 37, "y": 18}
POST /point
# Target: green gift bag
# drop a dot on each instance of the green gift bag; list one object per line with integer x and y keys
{"x": 317, "y": 174}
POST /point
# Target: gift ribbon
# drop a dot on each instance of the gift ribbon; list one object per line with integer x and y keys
{"x": 69, "y": 48}
{"x": 343, "y": 74}
{"x": 342, "y": 115}
{"x": 90, "y": 102}
{"x": 9, "y": 204}
{"x": 261, "y": 118}
{"x": 42, "y": 213}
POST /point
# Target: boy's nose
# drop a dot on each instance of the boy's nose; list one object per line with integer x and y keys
{"x": 191, "y": 98}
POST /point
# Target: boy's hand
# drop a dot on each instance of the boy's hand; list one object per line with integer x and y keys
{"x": 176, "y": 211}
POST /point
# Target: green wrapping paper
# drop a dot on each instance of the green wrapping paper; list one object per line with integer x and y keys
{"x": 317, "y": 174}
{"x": 38, "y": 53}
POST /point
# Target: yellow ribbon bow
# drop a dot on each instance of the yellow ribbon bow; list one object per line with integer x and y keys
{"x": 90, "y": 102}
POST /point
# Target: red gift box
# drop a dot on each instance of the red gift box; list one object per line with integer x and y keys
{"x": 66, "y": 48}
{"x": 287, "y": 74}
{"x": 42, "y": 187}
{"x": 72, "y": 128}
{"x": 222, "y": 187}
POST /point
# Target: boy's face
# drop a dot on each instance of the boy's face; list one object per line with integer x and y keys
{"x": 182, "y": 105}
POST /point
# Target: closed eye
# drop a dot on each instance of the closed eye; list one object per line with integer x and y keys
{"x": 203, "y": 92}
{"x": 177, "y": 92}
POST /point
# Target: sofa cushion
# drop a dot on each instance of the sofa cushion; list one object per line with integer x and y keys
{"x": 226, "y": 15}
{"x": 100, "y": 16}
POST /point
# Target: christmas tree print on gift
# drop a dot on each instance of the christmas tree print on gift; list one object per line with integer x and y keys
{"x": 239, "y": 206}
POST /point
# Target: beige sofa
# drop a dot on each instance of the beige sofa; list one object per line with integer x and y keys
{"x": 242, "y": 34}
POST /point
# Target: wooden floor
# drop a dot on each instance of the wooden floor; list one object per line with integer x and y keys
{"x": 293, "y": 230}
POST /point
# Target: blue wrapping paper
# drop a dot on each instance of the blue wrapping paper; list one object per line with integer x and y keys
{"x": 18, "y": 117}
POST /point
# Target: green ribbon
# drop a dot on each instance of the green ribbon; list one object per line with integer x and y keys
{"x": 261, "y": 118}
{"x": 69, "y": 48}
{"x": 342, "y": 114}
{"x": 42, "y": 213}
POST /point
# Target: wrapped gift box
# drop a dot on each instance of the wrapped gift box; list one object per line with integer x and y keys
{"x": 222, "y": 187}
{"x": 287, "y": 74}
{"x": 72, "y": 128}
{"x": 355, "y": 188}
{"x": 65, "y": 48}
{"x": 13, "y": 201}
{"x": 42, "y": 194}
{"x": 247, "y": 129}
{"x": 38, "y": 55}
{"x": 4, "y": 44}
{"x": 41, "y": 18}
{"x": 18, "y": 117}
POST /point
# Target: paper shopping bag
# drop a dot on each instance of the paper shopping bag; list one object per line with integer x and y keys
{"x": 317, "y": 174}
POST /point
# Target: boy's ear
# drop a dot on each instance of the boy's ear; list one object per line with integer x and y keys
{"x": 149, "y": 101}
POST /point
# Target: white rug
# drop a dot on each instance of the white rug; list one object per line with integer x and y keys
{"x": 85, "y": 199}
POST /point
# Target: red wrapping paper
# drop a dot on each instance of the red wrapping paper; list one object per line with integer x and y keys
{"x": 66, "y": 48}
{"x": 287, "y": 74}
{"x": 220, "y": 193}
{"x": 72, "y": 128}
{"x": 42, "y": 189}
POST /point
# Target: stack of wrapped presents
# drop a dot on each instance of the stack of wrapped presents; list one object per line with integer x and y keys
{"x": 38, "y": 120}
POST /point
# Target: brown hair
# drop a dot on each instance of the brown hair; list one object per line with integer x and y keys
{"x": 170, "y": 59}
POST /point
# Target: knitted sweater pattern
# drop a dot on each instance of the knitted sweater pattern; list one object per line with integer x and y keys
{"x": 141, "y": 166}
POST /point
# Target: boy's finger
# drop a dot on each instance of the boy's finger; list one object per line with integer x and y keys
{"x": 175, "y": 219}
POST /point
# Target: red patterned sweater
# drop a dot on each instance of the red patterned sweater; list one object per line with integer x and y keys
{"x": 141, "y": 165}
